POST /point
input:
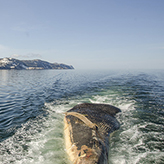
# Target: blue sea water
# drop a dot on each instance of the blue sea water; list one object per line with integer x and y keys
{"x": 32, "y": 103}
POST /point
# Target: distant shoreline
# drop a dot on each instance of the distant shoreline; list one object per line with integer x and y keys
{"x": 36, "y": 64}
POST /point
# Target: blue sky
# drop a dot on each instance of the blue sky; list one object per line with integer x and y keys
{"x": 88, "y": 34}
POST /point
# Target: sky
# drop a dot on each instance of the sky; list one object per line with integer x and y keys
{"x": 88, "y": 34}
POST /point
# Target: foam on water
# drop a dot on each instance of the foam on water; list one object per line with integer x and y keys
{"x": 38, "y": 141}
{"x": 130, "y": 144}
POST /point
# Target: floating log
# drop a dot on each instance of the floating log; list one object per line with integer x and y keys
{"x": 87, "y": 130}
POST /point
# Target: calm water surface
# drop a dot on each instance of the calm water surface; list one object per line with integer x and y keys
{"x": 32, "y": 103}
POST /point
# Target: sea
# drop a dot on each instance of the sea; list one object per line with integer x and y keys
{"x": 33, "y": 102}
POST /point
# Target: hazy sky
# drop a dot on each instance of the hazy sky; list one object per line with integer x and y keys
{"x": 88, "y": 34}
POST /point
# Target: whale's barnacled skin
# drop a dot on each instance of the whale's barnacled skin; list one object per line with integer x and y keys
{"x": 87, "y": 130}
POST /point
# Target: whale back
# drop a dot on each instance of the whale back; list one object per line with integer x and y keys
{"x": 87, "y": 130}
{"x": 100, "y": 114}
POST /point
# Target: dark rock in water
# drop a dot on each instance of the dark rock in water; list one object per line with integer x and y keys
{"x": 87, "y": 130}
{"x": 11, "y": 63}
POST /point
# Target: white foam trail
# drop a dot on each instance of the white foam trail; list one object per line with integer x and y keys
{"x": 128, "y": 144}
{"x": 38, "y": 141}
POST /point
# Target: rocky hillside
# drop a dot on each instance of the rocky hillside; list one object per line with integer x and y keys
{"x": 11, "y": 63}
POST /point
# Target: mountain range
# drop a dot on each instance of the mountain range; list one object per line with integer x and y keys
{"x": 11, "y": 63}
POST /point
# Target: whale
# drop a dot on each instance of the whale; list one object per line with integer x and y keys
{"x": 87, "y": 128}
